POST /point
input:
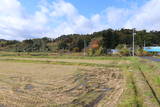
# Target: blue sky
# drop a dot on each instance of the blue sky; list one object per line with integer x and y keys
{"x": 23, "y": 19}
{"x": 87, "y": 7}
{"x": 90, "y": 7}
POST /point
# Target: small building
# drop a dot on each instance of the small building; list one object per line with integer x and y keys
{"x": 112, "y": 51}
{"x": 152, "y": 49}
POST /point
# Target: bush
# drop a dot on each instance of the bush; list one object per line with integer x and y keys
{"x": 139, "y": 52}
{"x": 95, "y": 52}
{"x": 90, "y": 52}
{"x": 99, "y": 51}
{"x": 76, "y": 49}
{"x": 123, "y": 50}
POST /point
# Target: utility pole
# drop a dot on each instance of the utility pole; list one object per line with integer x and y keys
{"x": 84, "y": 48}
{"x": 144, "y": 43}
{"x": 133, "y": 42}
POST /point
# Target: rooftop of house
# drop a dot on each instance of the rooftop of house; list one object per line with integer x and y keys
{"x": 152, "y": 49}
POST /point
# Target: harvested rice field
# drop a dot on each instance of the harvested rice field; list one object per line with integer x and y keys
{"x": 78, "y": 82}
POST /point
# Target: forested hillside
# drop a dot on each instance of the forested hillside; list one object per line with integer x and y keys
{"x": 103, "y": 40}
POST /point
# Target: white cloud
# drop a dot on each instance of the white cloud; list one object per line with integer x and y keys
{"x": 146, "y": 17}
{"x": 62, "y": 8}
{"x": 60, "y": 17}
{"x": 65, "y": 18}
{"x": 10, "y": 18}
{"x": 72, "y": 21}
{"x": 15, "y": 24}
{"x": 116, "y": 17}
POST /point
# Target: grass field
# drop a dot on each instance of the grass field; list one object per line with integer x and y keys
{"x": 77, "y": 81}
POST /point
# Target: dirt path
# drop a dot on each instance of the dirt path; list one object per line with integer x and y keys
{"x": 151, "y": 58}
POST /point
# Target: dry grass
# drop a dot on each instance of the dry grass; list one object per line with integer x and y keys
{"x": 94, "y": 61}
{"x": 36, "y": 84}
{"x": 39, "y": 85}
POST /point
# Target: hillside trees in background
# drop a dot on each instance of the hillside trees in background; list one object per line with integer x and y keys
{"x": 110, "y": 39}
{"x": 106, "y": 40}
{"x": 73, "y": 42}
{"x": 33, "y": 45}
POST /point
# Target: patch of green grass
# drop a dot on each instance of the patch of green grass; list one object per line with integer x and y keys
{"x": 144, "y": 92}
{"x": 60, "y": 63}
{"x": 135, "y": 95}
{"x": 157, "y": 80}
{"x": 49, "y": 55}
{"x": 129, "y": 97}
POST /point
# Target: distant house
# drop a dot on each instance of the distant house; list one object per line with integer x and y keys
{"x": 152, "y": 49}
{"x": 112, "y": 51}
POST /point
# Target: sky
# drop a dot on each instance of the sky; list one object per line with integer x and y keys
{"x": 25, "y": 19}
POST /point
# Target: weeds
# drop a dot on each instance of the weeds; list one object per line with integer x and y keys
{"x": 59, "y": 62}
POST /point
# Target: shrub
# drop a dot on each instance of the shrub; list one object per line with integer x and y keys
{"x": 90, "y": 52}
{"x": 99, "y": 51}
{"x": 123, "y": 50}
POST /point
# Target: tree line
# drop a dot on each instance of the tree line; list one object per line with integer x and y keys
{"x": 101, "y": 41}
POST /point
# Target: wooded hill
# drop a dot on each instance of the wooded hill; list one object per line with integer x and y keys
{"x": 103, "y": 40}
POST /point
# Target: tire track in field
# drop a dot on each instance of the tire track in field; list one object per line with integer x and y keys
{"x": 152, "y": 90}
{"x": 135, "y": 91}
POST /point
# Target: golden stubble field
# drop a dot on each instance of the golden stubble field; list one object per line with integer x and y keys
{"x": 58, "y": 85}
{"x": 94, "y": 61}
{"x": 78, "y": 81}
